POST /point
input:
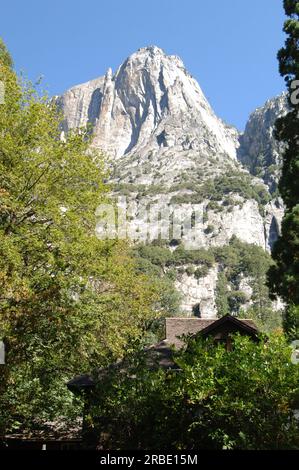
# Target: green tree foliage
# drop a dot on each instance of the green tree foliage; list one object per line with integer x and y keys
{"x": 235, "y": 300}
{"x": 157, "y": 255}
{"x": 237, "y": 260}
{"x": 203, "y": 271}
{"x": 5, "y": 57}
{"x": 68, "y": 301}
{"x": 220, "y": 187}
{"x": 198, "y": 257}
{"x": 284, "y": 276}
{"x": 164, "y": 257}
{"x": 151, "y": 260}
{"x": 222, "y": 294}
{"x": 242, "y": 399}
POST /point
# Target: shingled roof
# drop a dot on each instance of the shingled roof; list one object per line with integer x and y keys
{"x": 231, "y": 323}
{"x": 177, "y": 327}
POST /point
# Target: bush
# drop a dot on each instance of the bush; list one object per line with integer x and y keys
{"x": 229, "y": 201}
{"x": 242, "y": 399}
{"x": 157, "y": 255}
{"x": 201, "y": 256}
{"x": 203, "y": 271}
{"x": 171, "y": 274}
{"x": 190, "y": 270}
{"x": 235, "y": 300}
{"x": 214, "y": 206}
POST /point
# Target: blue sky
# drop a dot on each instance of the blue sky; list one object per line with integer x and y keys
{"x": 229, "y": 46}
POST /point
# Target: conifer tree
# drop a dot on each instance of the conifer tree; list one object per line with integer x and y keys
{"x": 283, "y": 277}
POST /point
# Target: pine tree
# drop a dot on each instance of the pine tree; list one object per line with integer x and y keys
{"x": 283, "y": 277}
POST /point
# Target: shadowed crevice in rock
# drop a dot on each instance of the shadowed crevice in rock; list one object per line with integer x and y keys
{"x": 164, "y": 97}
{"x": 273, "y": 232}
{"x": 94, "y": 106}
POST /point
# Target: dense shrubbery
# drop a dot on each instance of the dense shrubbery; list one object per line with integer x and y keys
{"x": 163, "y": 257}
{"x": 157, "y": 255}
{"x": 241, "y": 399}
{"x": 238, "y": 260}
{"x": 126, "y": 189}
{"x": 201, "y": 256}
{"x": 209, "y": 229}
{"x": 193, "y": 198}
{"x": 220, "y": 188}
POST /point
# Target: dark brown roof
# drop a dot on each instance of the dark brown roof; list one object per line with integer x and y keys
{"x": 243, "y": 325}
{"x": 176, "y": 327}
{"x": 249, "y": 322}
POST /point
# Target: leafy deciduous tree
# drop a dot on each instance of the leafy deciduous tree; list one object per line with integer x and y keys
{"x": 242, "y": 399}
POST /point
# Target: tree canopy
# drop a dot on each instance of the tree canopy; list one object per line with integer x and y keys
{"x": 242, "y": 399}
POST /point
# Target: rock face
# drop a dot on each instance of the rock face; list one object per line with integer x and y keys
{"x": 259, "y": 151}
{"x": 198, "y": 295}
{"x": 151, "y": 102}
{"x": 166, "y": 146}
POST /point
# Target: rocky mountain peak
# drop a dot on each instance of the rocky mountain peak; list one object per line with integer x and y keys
{"x": 153, "y": 56}
{"x": 149, "y": 104}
